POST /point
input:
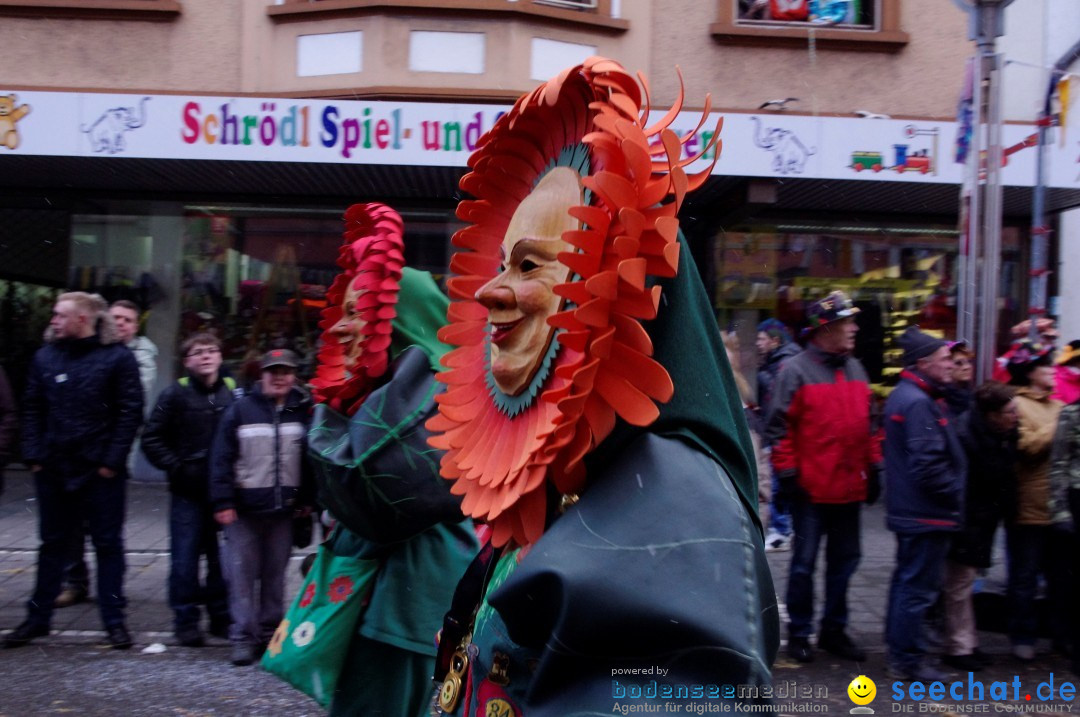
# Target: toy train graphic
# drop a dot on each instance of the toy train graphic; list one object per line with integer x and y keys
{"x": 906, "y": 161}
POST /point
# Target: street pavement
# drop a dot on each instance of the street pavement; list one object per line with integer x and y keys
{"x": 867, "y": 598}
{"x": 71, "y": 672}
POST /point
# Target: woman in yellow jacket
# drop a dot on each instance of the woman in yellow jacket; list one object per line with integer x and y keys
{"x": 1032, "y": 547}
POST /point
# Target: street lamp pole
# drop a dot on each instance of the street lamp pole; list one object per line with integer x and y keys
{"x": 980, "y": 248}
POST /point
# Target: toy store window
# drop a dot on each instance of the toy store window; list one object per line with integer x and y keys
{"x": 867, "y": 25}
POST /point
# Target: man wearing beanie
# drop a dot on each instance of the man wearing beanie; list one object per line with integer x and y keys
{"x": 826, "y": 461}
{"x": 925, "y": 471}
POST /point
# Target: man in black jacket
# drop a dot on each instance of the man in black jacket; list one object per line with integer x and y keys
{"x": 925, "y": 470}
{"x": 82, "y": 409}
{"x": 177, "y": 440}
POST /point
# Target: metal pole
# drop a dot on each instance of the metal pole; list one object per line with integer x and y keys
{"x": 983, "y": 259}
{"x": 991, "y": 266}
{"x": 970, "y": 215}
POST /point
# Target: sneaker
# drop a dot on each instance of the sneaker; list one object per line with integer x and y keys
{"x": 777, "y": 543}
{"x": 984, "y": 658}
{"x": 799, "y": 649}
{"x": 964, "y": 663}
{"x": 838, "y": 643}
{"x": 24, "y": 633}
{"x": 242, "y": 654}
{"x": 71, "y": 596}
{"x": 190, "y": 636}
{"x": 118, "y": 637}
{"x": 1024, "y": 653}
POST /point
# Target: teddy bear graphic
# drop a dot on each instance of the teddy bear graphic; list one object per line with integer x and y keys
{"x": 9, "y": 115}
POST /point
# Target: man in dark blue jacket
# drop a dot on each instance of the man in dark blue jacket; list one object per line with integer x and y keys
{"x": 259, "y": 481}
{"x": 925, "y": 469}
{"x": 81, "y": 412}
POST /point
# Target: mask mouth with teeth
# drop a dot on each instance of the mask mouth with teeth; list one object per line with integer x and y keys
{"x": 574, "y": 217}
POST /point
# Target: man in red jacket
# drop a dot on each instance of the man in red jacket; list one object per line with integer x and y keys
{"x": 827, "y": 462}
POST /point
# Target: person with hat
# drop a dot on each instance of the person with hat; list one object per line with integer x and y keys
{"x": 259, "y": 481}
{"x": 925, "y": 472}
{"x": 1067, "y": 374}
{"x": 1033, "y": 545}
{"x": 827, "y": 460}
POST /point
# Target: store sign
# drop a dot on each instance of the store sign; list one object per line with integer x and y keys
{"x": 440, "y": 134}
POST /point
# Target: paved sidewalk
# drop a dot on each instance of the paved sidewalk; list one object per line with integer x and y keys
{"x": 150, "y": 619}
{"x": 867, "y": 606}
{"x": 146, "y": 542}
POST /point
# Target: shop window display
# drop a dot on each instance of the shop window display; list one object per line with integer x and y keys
{"x": 897, "y": 279}
{"x": 854, "y": 13}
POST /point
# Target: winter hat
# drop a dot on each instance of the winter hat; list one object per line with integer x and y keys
{"x": 776, "y": 329}
{"x": 279, "y": 357}
{"x": 834, "y": 307}
{"x": 917, "y": 345}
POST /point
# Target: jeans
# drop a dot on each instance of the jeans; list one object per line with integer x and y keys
{"x": 916, "y": 585}
{"x": 1035, "y": 549}
{"x": 257, "y": 550}
{"x": 839, "y": 525}
{"x": 193, "y": 533}
{"x": 779, "y": 511}
{"x": 100, "y": 501}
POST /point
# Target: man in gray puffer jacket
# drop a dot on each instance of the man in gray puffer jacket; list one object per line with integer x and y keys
{"x": 259, "y": 481}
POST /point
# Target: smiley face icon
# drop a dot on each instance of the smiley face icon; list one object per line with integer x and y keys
{"x": 862, "y": 690}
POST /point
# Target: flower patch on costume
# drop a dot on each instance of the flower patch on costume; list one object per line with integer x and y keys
{"x": 501, "y": 455}
{"x": 273, "y": 648}
{"x": 308, "y": 596}
{"x": 340, "y": 589}
{"x": 304, "y": 633}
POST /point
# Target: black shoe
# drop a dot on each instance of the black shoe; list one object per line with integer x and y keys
{"x": 24, "y": 633}
{"x": 118, "y": 637}
{"x": 242, "y": 654}
{"x": 964, "y": 663}
{"x": 799, "y": 649}
{"x": 190, "y": 636}
{"x": 838, "y": 643}
{"x": 219, "y": 627}
{"x": 984, "y": 659}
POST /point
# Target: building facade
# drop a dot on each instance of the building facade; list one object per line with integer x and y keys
{"x": 196, "y": 156}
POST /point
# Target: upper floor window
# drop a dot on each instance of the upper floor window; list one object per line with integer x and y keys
{"x": 599, "y": 15}
{"x": 860, "y": 14}
{"x": 867, "y": 25}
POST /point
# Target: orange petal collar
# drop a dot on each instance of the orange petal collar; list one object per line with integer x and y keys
{"x": 501, "y": 465}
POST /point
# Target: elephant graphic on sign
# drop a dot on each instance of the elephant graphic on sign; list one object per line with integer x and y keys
{"x": 789, "y": 153}
{"x": 106, "y": 133}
